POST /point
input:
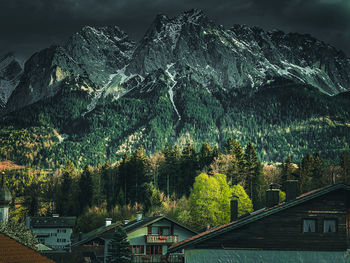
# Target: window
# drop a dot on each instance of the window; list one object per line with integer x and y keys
{"x": 61, "y": 240}
{"x": 309, "y": 225}
{"x": 165, "y": 231}
{"x": 155, "y": 230}
{"x": 330, "y": 226}
{"x": 137, "y": 249}
{"x": 154, "y": 250}
{"x": 53, "y": 234}
{"x": 61, "y": 230}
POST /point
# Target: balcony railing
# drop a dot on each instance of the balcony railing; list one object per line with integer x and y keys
{"x": 156, "y": 239}
{"x": 157, "y": 259}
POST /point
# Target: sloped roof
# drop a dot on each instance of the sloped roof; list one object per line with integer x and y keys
{"x": 255, "y": 216}
{"x": 45, "y": 222}
{"x": 95, "y": 233}
{"x": 12, "y": 251}
{"x": 151, "y": 220}
{"x": 132, "y": 225}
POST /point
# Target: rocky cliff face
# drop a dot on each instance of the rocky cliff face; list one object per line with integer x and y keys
{"x": 85, "y": 62}
{"x": 239, "y": 60}
{"x": 10, "y": 71}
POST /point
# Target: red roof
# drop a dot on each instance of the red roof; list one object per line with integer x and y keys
{"x": 12, "y": 251}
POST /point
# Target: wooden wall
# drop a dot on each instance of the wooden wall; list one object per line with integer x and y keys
{"x": 284, "y": 230}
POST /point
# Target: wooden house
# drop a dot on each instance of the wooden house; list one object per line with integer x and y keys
{"x": 312, "y": 227}
{"x": 149, "y": 239}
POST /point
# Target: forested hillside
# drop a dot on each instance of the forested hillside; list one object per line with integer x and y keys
{"x": 284, "y": 119}
{"x": 182, "y": 183}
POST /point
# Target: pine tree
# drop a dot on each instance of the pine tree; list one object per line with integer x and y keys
{"x": 189, "y": 166}
{"x": 317, "y": 171}
{"x": 286, "y": 172}
{"x": 254, "y": 176}
{"x": 119, "y": 247}
{"x": 345, "y": 166}
{"x": 305, "y": 173}
{"x": 85, "y": 188}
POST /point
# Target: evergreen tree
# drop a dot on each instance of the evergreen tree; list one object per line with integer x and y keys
{"x": 64, "y": 194}
{"x": 170, "y": 180}
{"x": 254, "y": 177}
{"x": 286, "y": 172}
{"x": 85, "y": 188}
{"x": 305, "y": 173}
{"x": 345, "y": 166}
{"x": 138, "y": 174}
{"x": 234, "y": 148}
{"x": 119, "y": 247}
{"x": 188, "y": 167}
{"x": 205, "y": 157}
{"x": 317, "y": 171}
{"x": 229, "y": 145}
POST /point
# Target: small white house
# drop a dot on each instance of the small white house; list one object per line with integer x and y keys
{"x": 54, "y": 232}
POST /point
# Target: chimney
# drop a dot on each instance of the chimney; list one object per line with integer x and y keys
{"x": 272, "y": 195}
{"x": 234, "y": 208}
{"x": 126, "y": 221}
{"x": 55, "y": 215}
{"x": 292, "y": 190}
{"x": 138, "y": 216}
{"x": 108, "y": 221}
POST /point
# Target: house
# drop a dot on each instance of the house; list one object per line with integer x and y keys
{"x": 149, "y": 239}
{"x": 12, "y": 251}
{"x": 54, "y": 232}
{"x": 313, "y": 227}
{"x": 91, "y": 246}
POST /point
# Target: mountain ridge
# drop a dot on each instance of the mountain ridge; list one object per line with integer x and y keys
{"x": 187, "y": 80}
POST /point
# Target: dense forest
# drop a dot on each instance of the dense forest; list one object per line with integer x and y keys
{"x": 181, "y": 183}
{"x": 282, "y": 119}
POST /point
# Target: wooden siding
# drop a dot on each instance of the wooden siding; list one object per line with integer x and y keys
{"x": 284, "y": 230}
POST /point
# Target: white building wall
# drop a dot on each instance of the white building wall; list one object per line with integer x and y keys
{"x": 4, "y": 214}
{"x": 262, "y": 256}
{"x": 54, "y": 235}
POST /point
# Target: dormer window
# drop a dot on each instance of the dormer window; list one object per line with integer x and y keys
{"x": 330, "y": 226}
{"x": 309, "y": 225}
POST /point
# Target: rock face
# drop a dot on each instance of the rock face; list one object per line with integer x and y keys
{"x": 10, "y": 71}
{"x": 239, "y": 59}
{"x": 187, "y": 49}
{"x": 85, "y": 62}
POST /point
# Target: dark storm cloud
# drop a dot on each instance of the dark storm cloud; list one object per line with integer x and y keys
{"x": 27, "y": 26}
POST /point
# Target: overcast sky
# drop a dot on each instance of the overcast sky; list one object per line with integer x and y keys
{"x": 27, "y": 26}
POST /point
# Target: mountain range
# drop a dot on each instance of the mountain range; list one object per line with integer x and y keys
{"x": 187, "y": 80}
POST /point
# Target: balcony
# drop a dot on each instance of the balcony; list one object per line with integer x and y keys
{"x": 157, "y": 259}
{"x": 161, "y": 239}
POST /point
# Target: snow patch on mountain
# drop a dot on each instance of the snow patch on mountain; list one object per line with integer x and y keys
{"x": 171, "y": 87}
